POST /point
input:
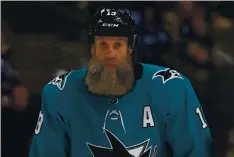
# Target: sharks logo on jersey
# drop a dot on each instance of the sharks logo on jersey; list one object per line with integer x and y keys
{"x": 117, "y": 148}
{"x": 60, "y": 81}
{"x": 167, "y": 75}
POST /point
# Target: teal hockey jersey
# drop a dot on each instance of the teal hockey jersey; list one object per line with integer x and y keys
{"x": 161, "y": 111}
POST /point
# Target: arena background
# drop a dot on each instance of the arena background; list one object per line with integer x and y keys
{"x": 41, "y": 40}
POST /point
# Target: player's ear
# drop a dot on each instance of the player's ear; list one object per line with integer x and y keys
{"x": 92, "y": 50}
{"x": 130, "y": 50}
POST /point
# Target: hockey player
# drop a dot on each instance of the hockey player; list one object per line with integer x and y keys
{"x": 118, "y": 108}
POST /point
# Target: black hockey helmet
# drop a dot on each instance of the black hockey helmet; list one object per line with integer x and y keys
{"x": 112, "y": 22}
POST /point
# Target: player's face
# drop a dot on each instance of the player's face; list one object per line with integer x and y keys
{"x": 111, "y": 51}
{"x": 110, "y": 68}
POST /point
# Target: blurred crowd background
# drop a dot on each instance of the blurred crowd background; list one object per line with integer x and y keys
{"x": 40, "y": 40}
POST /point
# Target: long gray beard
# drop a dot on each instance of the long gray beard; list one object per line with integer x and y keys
{"x": 103, "y": 81}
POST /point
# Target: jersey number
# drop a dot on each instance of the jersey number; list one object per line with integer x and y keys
{"x": 198, "y": 111}
{"x": 39, "y": 123}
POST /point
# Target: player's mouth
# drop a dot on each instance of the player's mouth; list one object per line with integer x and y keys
{"x": 110, "y": 65}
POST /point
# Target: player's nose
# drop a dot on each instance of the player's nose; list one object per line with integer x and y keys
{"x": 110, "y": 54}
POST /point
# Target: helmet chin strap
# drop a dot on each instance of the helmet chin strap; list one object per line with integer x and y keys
{"x": 133, "y": 43}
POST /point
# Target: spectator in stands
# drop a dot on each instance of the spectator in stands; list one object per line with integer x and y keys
{"x": 14, "y": 94}
{"x": 187, "y": 27}
{"x": 14, "y": 99}
{"x": 155, "y": 39}
{"x": 221, "y": 86}
{"x": 176, "y": 17}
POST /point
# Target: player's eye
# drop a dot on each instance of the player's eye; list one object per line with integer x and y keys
{"x": 117, "y": 45}
{"x": 103, "y": 44}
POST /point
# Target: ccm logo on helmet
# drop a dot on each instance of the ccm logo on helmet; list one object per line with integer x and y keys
{"x": 110, "y": 25}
